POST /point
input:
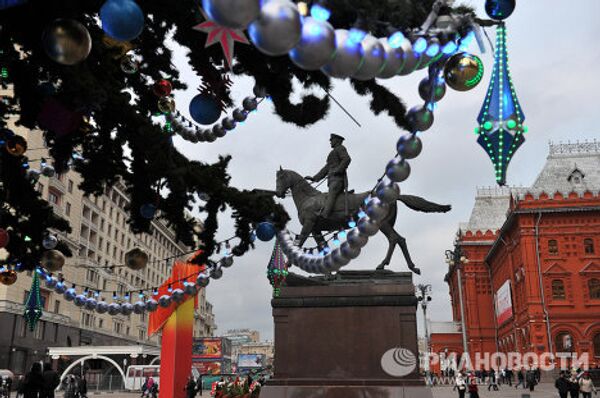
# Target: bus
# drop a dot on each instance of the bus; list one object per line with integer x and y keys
{"x": 137, "y": 374}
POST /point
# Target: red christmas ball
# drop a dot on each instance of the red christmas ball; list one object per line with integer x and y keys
{"x": 162, "y": 88}
{"x": 4, "y": 237}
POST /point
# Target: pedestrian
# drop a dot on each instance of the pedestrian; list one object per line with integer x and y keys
{"x": 587, "y": 385}
{"x": 574, "y": 386}
{"x": 521, "y": 378}
{"x": 460, "y": 385}
{"x": 531, "y": 379}
{"x": 199, "y": 385}
{"x": 20, "y": 382}
{"x": 509, "y": 376}
{"x": 33, "y": 383}
{"x": 83, "y": 387}
{"x": 190, "y": 387}
{"x": 51, "y": 381}
{"x": 493, "y": 380}
{"x": 70, "y": 387}
{"x": 562, "y": 385}
{"x": 472, "y": 387}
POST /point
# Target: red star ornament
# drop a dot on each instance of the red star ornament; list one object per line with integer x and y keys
{"x": 225, "y": 36}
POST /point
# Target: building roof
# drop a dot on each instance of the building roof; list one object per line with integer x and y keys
{"x": 569, "y": 167}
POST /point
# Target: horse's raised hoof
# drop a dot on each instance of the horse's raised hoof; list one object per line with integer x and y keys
{"x": 381, "y": 266}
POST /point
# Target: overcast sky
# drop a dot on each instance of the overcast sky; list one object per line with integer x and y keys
{"x": 554, "y": 57}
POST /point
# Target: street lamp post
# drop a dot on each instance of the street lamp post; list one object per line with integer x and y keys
{"x": 457, "y": 259}
{"x": 423, "y": 296}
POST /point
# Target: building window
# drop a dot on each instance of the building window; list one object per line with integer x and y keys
{"x": 117, "y": 327}
{"x": 53, "y": 198}
{"x": 100, "y": 323}
{"x": 597, "y": 345}
{"x": 552, "y": 247}
{"x": 70, "y": 186}
{"x": 56, "y": 307}
{"x": 142, "y": 334}
{"x": 68, "y": 209}
{"x": 558, "y": 290}
{"x": 588, "y": 246}
{"x": 127, "y": 331}
{"x": 594, "y": 286}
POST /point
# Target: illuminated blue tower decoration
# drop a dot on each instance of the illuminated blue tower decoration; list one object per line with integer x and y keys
{"x": 501, "y": 119}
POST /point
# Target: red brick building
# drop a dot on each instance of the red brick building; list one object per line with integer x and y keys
{"x": 531, "y": 282}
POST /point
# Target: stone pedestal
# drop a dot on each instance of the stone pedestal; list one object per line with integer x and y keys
{"x": 352, "y": 336}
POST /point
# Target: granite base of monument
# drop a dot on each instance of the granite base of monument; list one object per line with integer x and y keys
{"x": 352, "y": 335}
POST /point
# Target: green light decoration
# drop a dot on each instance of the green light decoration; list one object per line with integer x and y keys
{"x": 277, "y": 270}
{"x": 33, "y": 305}
{"x": 501, "y": 119}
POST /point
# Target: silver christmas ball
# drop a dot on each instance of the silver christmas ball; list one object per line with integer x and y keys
{"x": 91, "y": 304}
{"x": 190, "y": 289}
{"x": 136, "y": 259}
{"x": 51, "y": 282}
{"x": 177, "y": 295}
{"x": 367, "y": 227}
{"x": 377, "y": 210}
{"x": 79, "y": 300}
{"x": 409, "y": 146}
{"x": 202, "y": 280}
{"x": 394, "y": 60}
{"x": 356, "y": 239}
{"x": 249, "y": 103}
{"x": 126, "y": 309}
{"x": 218, "y": 130}
{"x": 277, "y": 29}
{"x": 228, "y": 123}
{"x": 374, "y": 59}
{"x": 52, "y": 260}
{"x": 102, "y": 307}
{"x": 67, "y": 41}
{"x": 240, "y": 115}
{"x": 420, "y": 118}
{"x": 411, "y": 59}
{"x": 50, "y": 241}
{"x": 70, "y": 294}
{"x": 227, "y": 261}
{"x": 60, "y": 288}
{"x": 114, "y": 309}
{"x": 339, "y": 259}
{"x": 317, "y": 45}
{"x": 387, "y": 191}
{"x": 210, "y": 137}
{"x": 328, "y": 263}
{"x": 216, "y": 273}
{"x": 48, "y": 170}
{"x": 432, "y": 92}
{"x": 151, "y": 305}
{"x": 426, "y": 58}
{"x": 347, "y": 59}
{"x": 129, "y": 65}
{"x": 349, "y": 251}
{"x": 139, "y": 307}
{"x": 164, "y": 300}
{"x": 260, "y": 91}
{"x": 397, "y": 170}
{"x": 235, "y": 14}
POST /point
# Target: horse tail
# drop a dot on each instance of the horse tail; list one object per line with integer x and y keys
{"x": 419, "y": 204}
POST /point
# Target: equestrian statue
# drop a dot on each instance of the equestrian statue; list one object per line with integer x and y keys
{"x": 319, "y": 211}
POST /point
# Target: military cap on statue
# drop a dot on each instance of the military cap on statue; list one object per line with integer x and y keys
{"x": 335, "y": 136}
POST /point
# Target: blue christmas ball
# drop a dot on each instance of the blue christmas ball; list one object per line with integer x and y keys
{"x": 205, "y": 109}
{"x": 148, "y": 211}
{"x": 122, "y": 19}
{"x": 265, "y": 231}
{"x": 499, "y": 9}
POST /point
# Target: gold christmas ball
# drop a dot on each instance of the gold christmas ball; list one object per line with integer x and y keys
{"x": 463, "y": 71}
{"x": 8, "y": 277}
{"x": 53, "y": 260}
{"x": 16, "y": 145}
{"x": 166, "y": 105}
{"x": 136, "y": 259}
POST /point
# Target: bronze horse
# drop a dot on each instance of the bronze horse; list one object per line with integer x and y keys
{"x": 309, "y": 201}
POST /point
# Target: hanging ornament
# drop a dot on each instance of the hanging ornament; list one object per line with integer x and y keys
{"x": 347, "y": 58}
{"x": 8, "y": 277}
{"x": 4, "y": 238}
{"x": 162, "y": 88}
{"x": 52, "y": 260}
{"x": 33, "y": 305}
{"x": 409, "y": 146}
{"x": 265, "y": 231}
{"x": 122, "y": 19}
{"x": 499, "y": 9}
{"x": 373, "y": 61}
{"x": 129, "y": 65}
{"x": 394, "y": 59}
{"x": 501, "y": 119}
{"x": 420, "y": 118}
{"x": 233, "y": 14}
{"x": 166, "y": 105}
{"x": 222, "y": 35}
{"x": 16, "y": 145}
{"x": 50, "y": 241}
{"x": 277, "y": 270}
{"x": 432, "y": 91}
{"x": 67, "y": 41}
{"x": 205, "y": 109}
{"x": 463, "y": 71}
{"x": 316, "y": 46}
{"x": 136, "y": 259}
{"x": 148, "y": 211}
{"x": 277, "y": 29}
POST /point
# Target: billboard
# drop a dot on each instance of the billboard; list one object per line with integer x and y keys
{"x": 251, "y": 361}
{"x": 504, "y": 308}
{"x": 208, "y": 348}
{"x": 208, "y": 367}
